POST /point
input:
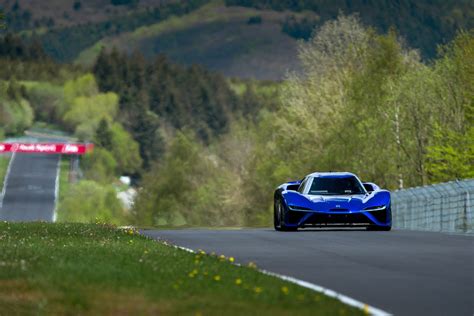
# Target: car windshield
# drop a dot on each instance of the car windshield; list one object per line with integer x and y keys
{"x": 336, "y": 186}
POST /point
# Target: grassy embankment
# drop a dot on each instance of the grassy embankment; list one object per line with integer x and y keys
{"x": 4, "y": 161}
{"x": 98, "y": 269}
{"x": 64, "y": 185}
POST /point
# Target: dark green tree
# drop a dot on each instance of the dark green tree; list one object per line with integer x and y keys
{"x": 103, "y": 135}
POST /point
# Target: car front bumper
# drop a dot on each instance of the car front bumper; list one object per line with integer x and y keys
{"x": 307, "y": 218}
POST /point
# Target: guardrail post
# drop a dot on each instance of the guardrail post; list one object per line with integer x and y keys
{"x": 466, "y": 208}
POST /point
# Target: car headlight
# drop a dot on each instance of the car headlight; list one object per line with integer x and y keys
{"x": 376, "y": 208}
{"x": 298, "y": 208}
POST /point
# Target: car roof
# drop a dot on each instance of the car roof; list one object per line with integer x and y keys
{"x": 331, "y": 174}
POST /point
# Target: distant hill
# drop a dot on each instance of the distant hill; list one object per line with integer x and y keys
{"x": 239, "y": 38}
{"x": 224, "y": 39}
{"x": 50, "y": 14}
{"x": 424, "y": 23}
{"x": 64, "y": 43}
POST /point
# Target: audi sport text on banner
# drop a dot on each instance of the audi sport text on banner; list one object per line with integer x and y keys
{"x": 46, "y": 148}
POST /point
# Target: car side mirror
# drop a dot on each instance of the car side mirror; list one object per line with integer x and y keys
{"x": 368, "y": 187}
{"x": 293, "y": 187}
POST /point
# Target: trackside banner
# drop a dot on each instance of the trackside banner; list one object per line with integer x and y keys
{"x": 46, "y": 148}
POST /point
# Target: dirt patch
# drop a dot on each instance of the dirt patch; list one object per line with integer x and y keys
{"x": 113, "y": 303}
{"x": 18, "y": 297}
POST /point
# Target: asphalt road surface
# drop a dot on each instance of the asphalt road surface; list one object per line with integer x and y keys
{"x": 30, "y": 188}
{"x": 401, "y": 272}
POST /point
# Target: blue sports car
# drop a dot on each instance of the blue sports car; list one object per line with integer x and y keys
{"x": 331, "y": 199}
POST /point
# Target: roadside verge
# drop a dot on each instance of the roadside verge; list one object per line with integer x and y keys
{"x": 98, "y": 269}
{"x": 5, "y": 165}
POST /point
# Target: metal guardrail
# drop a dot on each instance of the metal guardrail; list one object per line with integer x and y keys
{"x": 445, "y": 207}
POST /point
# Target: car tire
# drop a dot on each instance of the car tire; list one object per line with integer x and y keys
{"x": 279, "y": 213}
{"x": 276, "y": 216}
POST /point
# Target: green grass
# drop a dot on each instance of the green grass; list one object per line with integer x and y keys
{"x": 4, "y": 161}
{"x": 64, "y": 185}
{"x": 92, "y": 269}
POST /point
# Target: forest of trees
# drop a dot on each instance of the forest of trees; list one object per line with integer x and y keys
{"x": 206, "y": 150}
{"x": 364, "y": 103}
{"x": 128, "y": 107}
{"x": 65, "y": 43}
{"x": 159, "y": 93}
{"x": 424, "y": 24}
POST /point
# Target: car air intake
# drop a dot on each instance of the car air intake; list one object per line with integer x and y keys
{"x": 338, "y": 210}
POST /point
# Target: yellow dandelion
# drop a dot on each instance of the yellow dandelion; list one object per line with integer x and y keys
{"x": 222, "y": 257}
{"x": 238, "y": 281}
{"x": 284, "y": 290}
{"x": 231, "y": 259}
{"x": 257, "y": 290}
{"x": 217, "y": 278}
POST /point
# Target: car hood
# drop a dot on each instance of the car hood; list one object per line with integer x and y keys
{"x": 336, "y": 198}
{"x": 335, "y": 202}
{"x": 338, "y": 201}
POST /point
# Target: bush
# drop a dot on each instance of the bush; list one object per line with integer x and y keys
{"x": 86, "y": 107}
{"x": 255, "y": 20}
{"x": 100, "y": 165}
{"x": 89, "y": 202}
{"x": 125, "y": 150}
{"x": 77, "y": 5}
{"x": 47, "y": 101}
{"x": 188, "y": 187}
{"x": 299, "y": 28}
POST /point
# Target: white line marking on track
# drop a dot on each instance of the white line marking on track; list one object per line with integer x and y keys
{"x": 5, "y": 180}
{"x": 317, "y": 288}
{"x": 328, "y": 292}
{"x": 56, "y": 190}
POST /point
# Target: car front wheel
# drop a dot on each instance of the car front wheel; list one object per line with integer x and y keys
{"x": 279, "y": 215}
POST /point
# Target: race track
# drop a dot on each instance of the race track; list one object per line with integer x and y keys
{"x": 30, "y": 188}
{"x": 401, "y": 272}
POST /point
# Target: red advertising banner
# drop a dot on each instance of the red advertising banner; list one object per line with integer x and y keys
{"x": 46, "y": 148}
